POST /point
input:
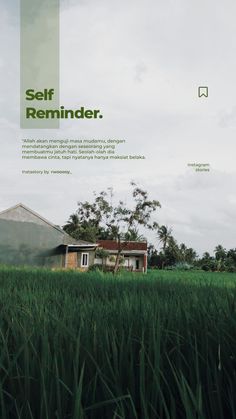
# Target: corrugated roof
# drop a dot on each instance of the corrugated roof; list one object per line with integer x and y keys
{"x": 67, "y": 239}
{"x": 35, "y": 214}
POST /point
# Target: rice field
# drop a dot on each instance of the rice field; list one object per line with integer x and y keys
{"x": 95, "y": 346}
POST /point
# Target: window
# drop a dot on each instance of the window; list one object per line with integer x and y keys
{"x": 84, "y": 260}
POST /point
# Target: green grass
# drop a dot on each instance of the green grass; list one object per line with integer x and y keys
{"x": 94, "y": 346}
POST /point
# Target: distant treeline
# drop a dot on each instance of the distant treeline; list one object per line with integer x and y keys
{"x": 174, "y": 256}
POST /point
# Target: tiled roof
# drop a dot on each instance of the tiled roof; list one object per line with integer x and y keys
{"x": 113, "y": 245}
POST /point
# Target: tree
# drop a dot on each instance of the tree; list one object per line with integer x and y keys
{"x": 118, "y": 222}
{"x": 73, "y": 225}
{"x": 102, "y": 254}
{"x": 187, "y": 255}
{"x": 134, "y": 235}
{"x": 220, "y": 256}
{"x": 190, "y": 255}
{"x": 86, "y": 223}
{"x": 172, "y": 253}
{"x": 164, "y": 235}
{"x": 183, "y": 250}
{"x": 207, "y": 262}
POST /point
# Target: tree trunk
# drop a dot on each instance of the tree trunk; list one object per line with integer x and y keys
{"x": 116, "y": 267}
{"x": 164, "y": 253}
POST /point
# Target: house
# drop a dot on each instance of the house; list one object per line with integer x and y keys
{"x": 26, "y": 238}
{"x": 134, "y": 255}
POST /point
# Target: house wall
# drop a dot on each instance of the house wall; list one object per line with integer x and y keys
{"x": 71, "y": 260}
{"x": 130, "y": 261}
{"x": 91, "y": 257}
{"x": 29, "y": 243}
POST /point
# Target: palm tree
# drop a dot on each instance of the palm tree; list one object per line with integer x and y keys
{"x": 191, "y": 255}
{"x": 133, "y": 235}
{"x": 72, "y": 226}
{"x": 206, "y": 256}
{"x": 220, "y": 252}
{"x": 165, "y": 237}
{"x": 220, "y": 256}
{"x": 183, "y": 250}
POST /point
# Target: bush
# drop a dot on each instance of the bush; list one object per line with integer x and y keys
{"x": 95, "y": 267}
{"x": 180, "y": 266}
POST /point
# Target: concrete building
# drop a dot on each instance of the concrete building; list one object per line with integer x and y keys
{"x": 28, "y": 239}
{"x": 134, "y": 255}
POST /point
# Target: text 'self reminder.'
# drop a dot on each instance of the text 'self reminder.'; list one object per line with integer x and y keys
{"x": 61, "y": 113}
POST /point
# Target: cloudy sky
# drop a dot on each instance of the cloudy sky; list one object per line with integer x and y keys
{"x": 141, "y": 63}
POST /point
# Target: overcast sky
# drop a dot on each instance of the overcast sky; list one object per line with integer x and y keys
{"x": 141, "y": 63}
